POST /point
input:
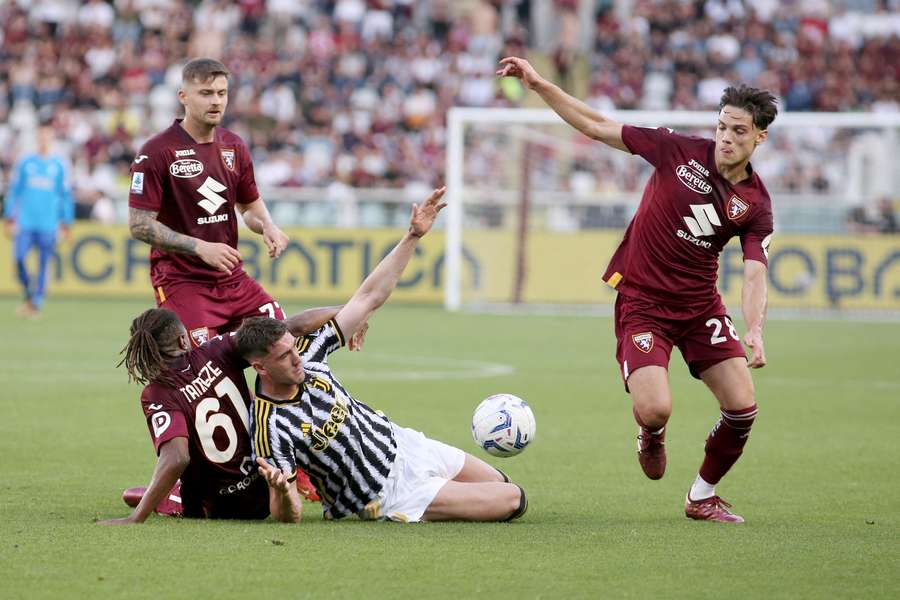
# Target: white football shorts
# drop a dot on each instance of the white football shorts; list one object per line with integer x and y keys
{"x": 420, "y": 470}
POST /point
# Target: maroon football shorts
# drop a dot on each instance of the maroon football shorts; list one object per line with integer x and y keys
{"x": 643, "y": 339}
{"x": 209, "y": 310}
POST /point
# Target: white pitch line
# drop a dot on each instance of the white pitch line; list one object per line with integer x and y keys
{"x": 454, "y": 368}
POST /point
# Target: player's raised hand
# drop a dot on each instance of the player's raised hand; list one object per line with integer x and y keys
{"x": 219, "y": 256}
{"x": 276, "y": 478}
{"x": 276, "y": 240}
{"x": 423, "y": 216}
{"x": 753, "y": 339}
{"x": 512, "y": 66}
{"x": 359, "y": 336}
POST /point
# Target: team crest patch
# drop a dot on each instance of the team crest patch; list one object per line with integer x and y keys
{"x": 200, "y": 335}
{"x": 737, "y": 208}
{"x": 643, "y": 341}
{"x": 228, "y": 158}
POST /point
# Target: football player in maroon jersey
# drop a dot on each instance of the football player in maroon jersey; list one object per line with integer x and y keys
{"x": 185, "y": 185}
{"x": 702, "y": 193}
{"x": 196, "y": 403}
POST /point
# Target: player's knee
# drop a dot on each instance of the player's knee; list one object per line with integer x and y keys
{"x": 654, "y": 416}
{"x": 739, "y": 398}
{"x": 516, "y": 502}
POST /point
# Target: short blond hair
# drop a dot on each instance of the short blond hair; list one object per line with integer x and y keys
{"x": 201, "y": 70}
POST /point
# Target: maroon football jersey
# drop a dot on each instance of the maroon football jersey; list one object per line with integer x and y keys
{"x": 688, "y": 213}
{"x": 210, "y": 407}
{"x": 193, "y": 188}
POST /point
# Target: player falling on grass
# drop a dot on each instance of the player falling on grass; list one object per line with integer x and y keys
{"x": 185, "y": 185}
{"x": 359, "y": 460}
{"x": 701, "y": 194}
{"x": 197, "y": 407}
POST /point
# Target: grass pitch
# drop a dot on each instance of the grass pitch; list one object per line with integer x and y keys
{"x": 818, "y": 483}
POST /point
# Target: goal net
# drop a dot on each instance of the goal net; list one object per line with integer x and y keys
{"x": 536, "y": 209}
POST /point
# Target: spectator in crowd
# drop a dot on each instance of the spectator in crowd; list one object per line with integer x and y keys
{"x": 882, "y": 218}
{"x": 358, "y": 90}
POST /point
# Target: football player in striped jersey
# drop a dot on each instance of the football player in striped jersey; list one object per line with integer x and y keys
{"x": 359, "y": 460}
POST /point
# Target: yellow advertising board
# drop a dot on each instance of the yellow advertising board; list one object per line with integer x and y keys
{"x": 804, "y": 271}
{"x": 103, "y": 261}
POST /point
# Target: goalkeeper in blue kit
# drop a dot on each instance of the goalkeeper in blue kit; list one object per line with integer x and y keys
{"x": 38, "y": 208}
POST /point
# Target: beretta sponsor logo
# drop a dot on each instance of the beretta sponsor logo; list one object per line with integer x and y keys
{"x": 692, "y": 179}
{"x": 186, "y": 168}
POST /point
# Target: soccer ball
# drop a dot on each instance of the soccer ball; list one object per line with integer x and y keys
{"x": 503, "y": 425}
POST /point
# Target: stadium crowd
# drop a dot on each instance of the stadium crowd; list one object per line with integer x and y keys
{"x": 356, "y": 91}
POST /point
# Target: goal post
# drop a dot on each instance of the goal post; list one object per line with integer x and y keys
{"x": 535, "y": 208}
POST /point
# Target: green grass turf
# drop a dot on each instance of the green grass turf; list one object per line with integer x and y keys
{"x": 818, "y": 484}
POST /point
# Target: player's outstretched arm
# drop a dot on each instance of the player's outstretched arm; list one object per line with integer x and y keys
{"x": 313, "y": 318}
{"x": 258, "y": 220}
{"x": 284, "y": 499}
{"x": 174, "y": 457}
{"x": 572, "y": 110}
{"x": 310, "y": 319}
{"x": 145, "y": 227}
{"x": 754, "y": 299}
{"x": 377, "y": 287}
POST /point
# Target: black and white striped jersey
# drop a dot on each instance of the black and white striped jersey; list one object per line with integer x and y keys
{"x": 346, "y": 447}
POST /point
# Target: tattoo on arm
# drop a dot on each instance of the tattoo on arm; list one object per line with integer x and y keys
{"x": 145, "y": 227}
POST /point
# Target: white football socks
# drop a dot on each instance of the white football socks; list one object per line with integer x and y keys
{"x": 701, "y": 490}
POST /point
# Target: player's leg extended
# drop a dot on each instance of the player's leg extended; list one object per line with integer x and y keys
{"x": 650, "y": 397}
{"x": 22, "y": 246}
{"x": 477, "y": 501}
{"x": 642, "y": 350}
{"x": 652, "y": 406}
{"x": 732, "y": 385}
{"x": 46, "y": 248}
{"x": 476, "y": 470}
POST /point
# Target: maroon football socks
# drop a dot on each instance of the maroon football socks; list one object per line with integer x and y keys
{"x": 726, "y": 442}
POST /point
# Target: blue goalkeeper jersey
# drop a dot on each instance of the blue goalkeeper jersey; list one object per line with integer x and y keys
{"x": 39, "y": 197}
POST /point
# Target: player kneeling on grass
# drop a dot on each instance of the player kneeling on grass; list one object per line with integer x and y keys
{"x": 359, "y": 460}
{"x": 196, "y": 403}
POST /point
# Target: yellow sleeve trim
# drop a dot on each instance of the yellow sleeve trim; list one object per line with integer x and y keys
{"x": 261, "y": 440}
{"x": 162, "y": 295}
{"x": 614, "y": 279}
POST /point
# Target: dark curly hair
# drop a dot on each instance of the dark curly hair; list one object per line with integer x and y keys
{"x": 759, "y": 103}
{"x": 153, "y": 332}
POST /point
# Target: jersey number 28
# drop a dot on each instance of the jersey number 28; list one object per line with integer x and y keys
{"x": 716, "y": 324}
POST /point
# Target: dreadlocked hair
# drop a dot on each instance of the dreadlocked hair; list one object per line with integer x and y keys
{"x": 152, "y": 333}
